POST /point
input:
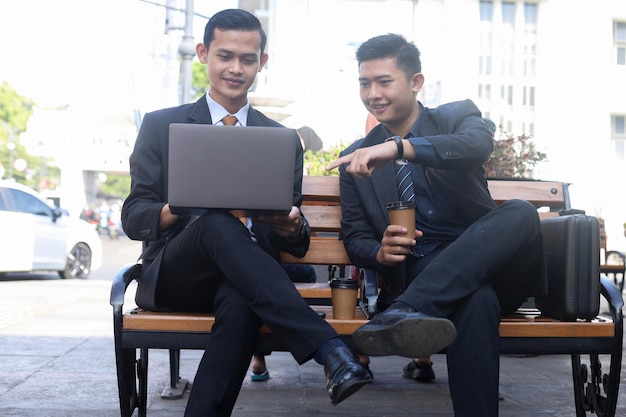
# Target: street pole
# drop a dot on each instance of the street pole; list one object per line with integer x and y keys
{"x": 187, "y": 51}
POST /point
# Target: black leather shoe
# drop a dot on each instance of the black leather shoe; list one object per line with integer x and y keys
{"x": 344, "y": 374}
{"x": 404, "y": 332}
{"x": 422, "y": 372}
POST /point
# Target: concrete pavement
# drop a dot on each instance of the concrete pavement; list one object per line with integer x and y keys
{"x": 57, "y": 360}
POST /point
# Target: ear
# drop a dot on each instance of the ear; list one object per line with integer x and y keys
{"x": 202, "y": 52}
{"x": 417, "y": 82}
{"x": 263, "y": 61}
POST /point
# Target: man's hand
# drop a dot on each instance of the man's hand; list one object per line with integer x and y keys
{"x": 395, "y": 248}
{"x": 363, "y": 161}
{"x": 285, "y": 225}
{"x": 166, "y": 218}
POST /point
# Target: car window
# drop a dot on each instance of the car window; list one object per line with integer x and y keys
{"x": 3, "y": 203}
{"x": 26, "y": 203}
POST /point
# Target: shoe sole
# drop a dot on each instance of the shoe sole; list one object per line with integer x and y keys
{"x": 260, "y": 377}
{"x": 420, "y": 375}
{"x": 351, "y": 389}
{"x": 412, "y": 337}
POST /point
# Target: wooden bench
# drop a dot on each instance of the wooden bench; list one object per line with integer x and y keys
{"x": 526, "y": 332}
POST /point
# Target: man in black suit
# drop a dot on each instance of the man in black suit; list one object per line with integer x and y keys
{"x": 214, "y": 262}
{"x": 469, "y": 262}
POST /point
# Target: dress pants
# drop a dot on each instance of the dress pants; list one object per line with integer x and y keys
{"x": 489, "y": 270}
{"x": 214, "y": 266}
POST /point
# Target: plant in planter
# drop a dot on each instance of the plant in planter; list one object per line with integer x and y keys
{"x": 315, "y": 162}
{"x": 513, "y": 157}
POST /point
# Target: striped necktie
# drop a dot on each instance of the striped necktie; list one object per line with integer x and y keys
{"x": 229, "y": 120}
{"x": 404, "y": 179}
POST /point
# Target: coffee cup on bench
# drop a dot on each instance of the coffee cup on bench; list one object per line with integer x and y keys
{"x": 344, "y": 295}
{"x": 402, "y": 213}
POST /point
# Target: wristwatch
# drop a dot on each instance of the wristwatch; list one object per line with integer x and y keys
{"x": 301, "y": 234}
{"x": 399, "y": 144}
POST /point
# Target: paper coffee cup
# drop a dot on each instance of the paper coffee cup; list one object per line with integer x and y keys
{"x": 344, "y": 295}
{"x": 402, "y": 213}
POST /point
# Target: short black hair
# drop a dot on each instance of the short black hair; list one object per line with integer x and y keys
{"x": 233, "y": 19}
{"x": 391, "y": 45}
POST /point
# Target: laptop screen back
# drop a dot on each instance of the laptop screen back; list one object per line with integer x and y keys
{"x": 231, "y": 167}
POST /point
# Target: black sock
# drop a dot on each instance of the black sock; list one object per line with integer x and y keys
{"x": 323, "y": 351}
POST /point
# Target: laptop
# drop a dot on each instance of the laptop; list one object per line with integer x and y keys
{"x": 231, "y": 167}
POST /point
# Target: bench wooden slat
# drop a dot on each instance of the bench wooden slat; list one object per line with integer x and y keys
{"x": 320, "y": 188}
{"x": 322, "y": 251}
{"x": 509, "y": 327}
{"x": 540, "y": 193}
{"x": 313, "y": 290}
{"x": 323, "y": 218}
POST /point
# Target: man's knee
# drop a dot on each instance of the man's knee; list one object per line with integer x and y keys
{"x": 523, "y": 209}
{"x": 479, "y": 307}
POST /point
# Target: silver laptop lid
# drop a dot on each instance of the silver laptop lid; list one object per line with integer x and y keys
{"x": 245, "y": 168}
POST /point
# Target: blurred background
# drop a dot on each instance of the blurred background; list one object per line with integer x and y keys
{"x": 78, "y": 75}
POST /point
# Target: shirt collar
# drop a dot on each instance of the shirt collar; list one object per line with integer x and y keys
{"x": 218, "y": 111}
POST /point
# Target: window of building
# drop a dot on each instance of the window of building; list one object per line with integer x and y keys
{"x": 530, "y": 38}
{"x": 529, "y": 96}
{"x": 619, "y": 40}
{"x": 508, "y": 61}
{"x": 618, "y": 134}
{"x": 484, "y": 91}
{"x": 486, "y": 38}
{"x": 506, "y": 94}
{"x": 486, "y": 11}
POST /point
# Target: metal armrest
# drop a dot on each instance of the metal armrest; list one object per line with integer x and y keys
{"x": 616, "y": 253}
{"x": 612, "y": 294}
{"x": 122, "y": 279}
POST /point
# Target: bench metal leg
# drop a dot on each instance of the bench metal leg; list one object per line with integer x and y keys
{"x": 126, "y": 381}
{"x": 594, "y": 391}
{"x": 142, "y": 376}
{"x": 177, "y": 385}
{"x": 579, "y": 374}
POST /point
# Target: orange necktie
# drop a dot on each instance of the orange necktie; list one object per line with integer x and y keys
{"x": 229, "y": 120}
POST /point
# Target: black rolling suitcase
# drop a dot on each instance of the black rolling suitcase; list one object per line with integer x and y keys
{"x": 572, "y": 250}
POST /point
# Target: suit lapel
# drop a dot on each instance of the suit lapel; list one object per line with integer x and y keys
{"x": 200, "y": 112}
{"x": 383, "y": 176}
{"x": 253, "y": 118}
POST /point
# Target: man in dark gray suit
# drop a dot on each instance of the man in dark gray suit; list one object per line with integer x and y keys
{"x": 214, "y": 262}
{"x": 469, "y": 262}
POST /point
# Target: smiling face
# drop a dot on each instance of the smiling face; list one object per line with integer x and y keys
{"x": 233, "y": 59}
{"x": 388, "y": 95}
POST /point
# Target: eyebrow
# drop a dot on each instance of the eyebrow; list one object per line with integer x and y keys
{"x": 377, "y": 78}
{"x": 246, "y": 55}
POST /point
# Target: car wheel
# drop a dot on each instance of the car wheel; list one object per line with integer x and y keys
{"x": 78, "y": 264}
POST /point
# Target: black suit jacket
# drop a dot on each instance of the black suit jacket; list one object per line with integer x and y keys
{"x": 148, "y": 194}
{"x": 462, "y": 142}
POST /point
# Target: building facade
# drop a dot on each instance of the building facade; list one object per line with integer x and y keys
{"x": 554, "y": 69}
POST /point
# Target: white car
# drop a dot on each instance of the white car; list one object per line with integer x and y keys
{"x": 37, "y": 236}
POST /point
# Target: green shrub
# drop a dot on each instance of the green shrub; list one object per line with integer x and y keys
{"x": 315, "y": 162}
{"x": 513, "y": 156}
